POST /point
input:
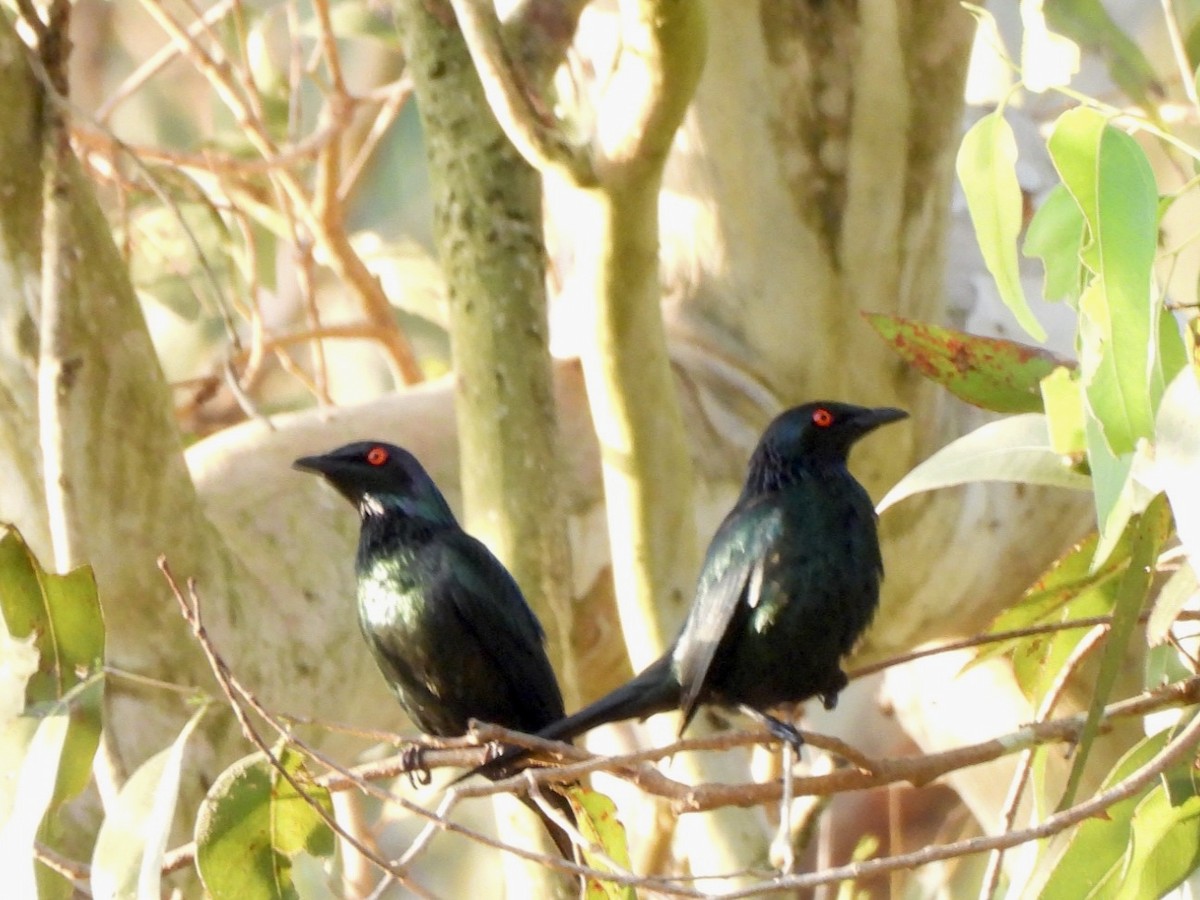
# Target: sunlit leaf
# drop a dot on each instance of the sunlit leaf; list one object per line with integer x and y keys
{"x": 986, "y": 167}
{"x": 1016, "y": 449}
{"x": 1070, "y": 589}
{"x": 1110, "y": 179}
{"x": 992, "y": 373}
{"x": 127, "y": 858}
{"x": 596, "y": 816}
{"x": 1063, "y": 399}
{"x": 1096, "y": 848}
{"x": 1175, "y": 464}
{"x": 34, "y": 793}
{"x": 1056, "y": 235}
{"x": 1089, "y": 24}
{"x": 1151, "y": 532}
{"x": 1048, "y": 60}
{"x": 1165, "y": 845}
{"x": 251, "y": 824}
{"x": 1112, "y": 485}
{"x": 1181, "y": 587}
{"x": 61, "y": 615}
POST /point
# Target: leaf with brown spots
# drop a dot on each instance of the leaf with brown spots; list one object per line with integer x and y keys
{"x": 991, "y": 373}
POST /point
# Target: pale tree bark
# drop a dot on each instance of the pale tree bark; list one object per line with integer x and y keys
{"x": 810, "y": 180}
{"x": 488, "y": 225}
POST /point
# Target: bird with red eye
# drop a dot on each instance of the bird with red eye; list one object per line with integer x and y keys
{"x": 822, "y": 417}
{"x": 448, "y": 626}
{"x": 789, "y": 583}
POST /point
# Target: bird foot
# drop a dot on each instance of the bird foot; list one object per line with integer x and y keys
{"x": 778, "y": 728}
{"x": 412, "y": 758}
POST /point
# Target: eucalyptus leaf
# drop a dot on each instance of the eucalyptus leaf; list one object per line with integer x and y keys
{"x": 1110, "y": 179}
{"x": 596, "y": 816}
{"x": 1015, "y": 449}
{"x": 127, "y": 858}
{"x": 251, "y": 824}
{"x": 986, "y": 166}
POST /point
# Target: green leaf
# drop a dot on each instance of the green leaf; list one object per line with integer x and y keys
{"x": 1063, "y": 400}
{"x": 250, "y": 825}
{"x": 596, "y": 816}
{"x": 61, "y": 614}
{"x": 127, "y": 858}
{"x": 1055, "y": 235}
{"x": 1150, "y": 533}
{"x": 1096, "y": 848}
{"x": 995, "y": 374}
{"x": 1088, "y": 23}
{"x": 33, "y": 798}
{"x": 1181, "y": 587}
{"x": 1112, "y": 485}
{"x": 1110, "y": 179}
{"x": 1070, "y": 589}
{"x": 1165, "y": 848}
{"x": 61, "y": 610}
{"x": 1014, "y": 449}
{"x": 986, "y": 167}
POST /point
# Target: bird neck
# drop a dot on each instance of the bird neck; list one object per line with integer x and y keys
{"x": 420, "y": 511}
{"x": 769, "y": 474}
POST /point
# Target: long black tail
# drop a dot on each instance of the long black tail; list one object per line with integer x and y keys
{"x": 653, "y": 691}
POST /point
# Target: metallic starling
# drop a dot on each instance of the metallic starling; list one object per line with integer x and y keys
{"x": 447, "y": 624}
{"x": 789, "y": 583}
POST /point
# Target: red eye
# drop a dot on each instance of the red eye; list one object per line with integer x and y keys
{"x": 822, "y": 417}
{"x": 377, "y": 456}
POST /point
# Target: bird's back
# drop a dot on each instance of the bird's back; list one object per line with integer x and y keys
{"x": 806, "y": 564}
{"x": 451, "y": 631}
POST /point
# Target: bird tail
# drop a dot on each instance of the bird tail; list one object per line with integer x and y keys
{"x": 560, "y": 803}
{"x": 654, "y": 690}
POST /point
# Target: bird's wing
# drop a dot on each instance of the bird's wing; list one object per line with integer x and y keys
{"x": 490, "y": 604}
{"x": 729, "y": 583}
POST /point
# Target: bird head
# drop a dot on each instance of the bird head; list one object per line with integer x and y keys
{"x": 818, "y": 433}
{"x": 378, "y": 478}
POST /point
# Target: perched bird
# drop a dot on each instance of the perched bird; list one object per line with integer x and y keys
{"x": 789, "y": 582}
{"x": 446, "y": 623}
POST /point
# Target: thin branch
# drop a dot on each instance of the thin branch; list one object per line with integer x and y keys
{"x": 1008, "y": 813}
{"x": 917, "y": 770}
{"x": 997, "y": 637}
{"x": 1175, "y": 752}
{"x": 190, "y": 608}
{"x": 528, "y": 125}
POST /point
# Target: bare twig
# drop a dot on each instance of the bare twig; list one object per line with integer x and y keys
{"x": 997, "y": 637}
{"x": 1008, "y": 814}
{"x": 1176, "y": 751}
{"x": 190, "y": 608}
{"x": 527, "y": 123}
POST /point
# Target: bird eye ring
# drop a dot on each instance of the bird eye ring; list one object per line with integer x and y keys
{"x": 822, "y": 417}
{"x": 377, "y": 456}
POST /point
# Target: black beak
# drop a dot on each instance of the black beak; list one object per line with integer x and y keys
{"x": 318, "y": 464}
{"x": 870, "y": 419}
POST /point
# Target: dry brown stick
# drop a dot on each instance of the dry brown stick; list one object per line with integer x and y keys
{"x": 995, "y": 638}
{"x": 918, "y": 770}
{"x": 190, "y": 608}
{"x": 1008, "y": 814}
{"x": 1175, "y": 752}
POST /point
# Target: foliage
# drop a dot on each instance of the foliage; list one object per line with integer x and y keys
{"x": 1119, "y": 419}
{"x": 1122, "y": 423}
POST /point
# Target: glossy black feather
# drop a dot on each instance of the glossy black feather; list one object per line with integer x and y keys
{"x": 789, "y": 583}
{"x": 447, "y": 624}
